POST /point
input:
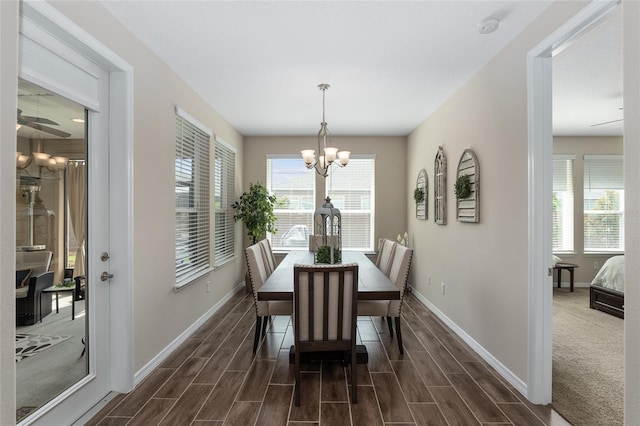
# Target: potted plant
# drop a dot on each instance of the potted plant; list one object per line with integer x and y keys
{"x": 255, "y": 210}
{"x": 323, "y": 255}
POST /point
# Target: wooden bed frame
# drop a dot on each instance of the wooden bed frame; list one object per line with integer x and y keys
{"x": 607, "y": 300}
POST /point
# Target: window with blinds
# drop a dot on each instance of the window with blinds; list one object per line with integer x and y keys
{"x": 224, "y": 190}
{"x": 603, "y": 203}
{"x": 192, "y": 199}
{"x": 294, "y": 187}
{"x": 352, "y": 191}
{"x": 562, "y": 235}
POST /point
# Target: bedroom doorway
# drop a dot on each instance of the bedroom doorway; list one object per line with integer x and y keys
{"x": 588, "y": 223}
{"x": 540, "y": 153}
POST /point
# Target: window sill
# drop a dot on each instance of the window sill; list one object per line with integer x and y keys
{"x": 192, "y": 280}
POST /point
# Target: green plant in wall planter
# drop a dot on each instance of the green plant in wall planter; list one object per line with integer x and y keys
{"x": 463, "y": 187}
{"x": 323, "y": 255}
{"x": 418, "y": 195}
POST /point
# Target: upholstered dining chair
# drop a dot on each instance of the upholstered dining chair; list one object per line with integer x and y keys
{"x": 399, "y": 267}
{"x": 325, "y": 301}
{"x": 258, "y": 274}
{"x": 386, "y": 251}
{"x": 270, "y": 258}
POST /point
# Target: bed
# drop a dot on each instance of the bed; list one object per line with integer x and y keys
{"x": 607, "y": 288}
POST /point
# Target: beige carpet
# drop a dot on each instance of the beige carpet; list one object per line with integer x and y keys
{"x": 588, "y": 361}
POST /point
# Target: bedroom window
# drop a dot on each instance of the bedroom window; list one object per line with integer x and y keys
{"x": 294, "y": 187}
{"x": 352, "y": 191}
{"x": 603, "y": 203}
{"x": 562, "y": 235}
{"x": 224, "y": 191}
{"x": 192, "y": 192}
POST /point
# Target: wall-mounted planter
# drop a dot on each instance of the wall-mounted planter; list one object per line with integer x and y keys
{"x": 468, "y": 188}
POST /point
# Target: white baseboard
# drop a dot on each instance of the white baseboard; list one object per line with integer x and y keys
{"x": 164, "y": 354}
{"x": 514, "y": 380}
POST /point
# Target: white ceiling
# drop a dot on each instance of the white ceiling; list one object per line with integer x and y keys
{"x": 390, "y": 63}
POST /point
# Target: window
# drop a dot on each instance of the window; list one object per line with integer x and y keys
{"x": 603, "y": 203}
{"x": 563, "y": 203}
{"x": 294, "y": 187}
{"x": 352, "y": 191}
{"x": 192, "y": 199}
{"x": 224, "y": 189}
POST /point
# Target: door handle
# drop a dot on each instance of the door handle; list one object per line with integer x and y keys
{"x": 105, "y": 276}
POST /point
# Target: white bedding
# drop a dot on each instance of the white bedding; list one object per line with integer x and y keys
{"x": 611, "y": 275}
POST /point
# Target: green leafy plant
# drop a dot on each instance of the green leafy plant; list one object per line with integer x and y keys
{"x": 463, "y": 187}
{"x": 323, "y": 255}
{"x": 418, "y": 195}
{"x": 255, "y": 210}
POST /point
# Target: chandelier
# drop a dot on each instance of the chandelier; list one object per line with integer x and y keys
{"x": 323, "y": 163}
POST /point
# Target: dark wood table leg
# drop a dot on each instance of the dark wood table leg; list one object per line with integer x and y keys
{"x": 57, "y": 307}
{"x": 571, "y": 280}
{"x": 73, "y": 302}
{"x": 559, "y": 277}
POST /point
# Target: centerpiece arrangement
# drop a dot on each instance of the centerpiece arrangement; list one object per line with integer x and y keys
{"x": 327, "y": 239}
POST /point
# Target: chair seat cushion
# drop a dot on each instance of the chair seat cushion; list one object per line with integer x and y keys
{"x": 22, "y": 292}
{"x": 373, "y": 308}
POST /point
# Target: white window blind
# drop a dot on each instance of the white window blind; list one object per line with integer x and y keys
{"x": 224, "y": 189}
{"x": 352, "y": 191}
{"x": 603, "y": 203}
{"x": 563, "y": 203}
{"x": 294, "y": 187}
{"x": 192, "y": 199}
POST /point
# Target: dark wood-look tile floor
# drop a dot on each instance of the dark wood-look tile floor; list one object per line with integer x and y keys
{"x": 214, "y": 379}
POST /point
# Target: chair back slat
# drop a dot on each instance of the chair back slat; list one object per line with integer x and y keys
{"x": 399, "y": 275}
{"x": 268, "y": 256}
{"x": 386, "y": 256}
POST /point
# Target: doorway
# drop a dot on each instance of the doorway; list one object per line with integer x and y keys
{"x": 57, "y": 56}
{"x": 540, "y": 143}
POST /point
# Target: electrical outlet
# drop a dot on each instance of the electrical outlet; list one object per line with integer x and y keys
{"x": 442, "y": 289}
{"x": 596, "y": 265}
{"x": 428, "y": 279}
{"x": 208, "y": 286}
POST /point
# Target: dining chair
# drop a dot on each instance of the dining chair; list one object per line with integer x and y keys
{"x": 385, "y": 255}
{"x": 325, "y": 303}
{"x": 399, "y": 267}
{"x": 257, "y": 267}
{"x": 269, "y": 257}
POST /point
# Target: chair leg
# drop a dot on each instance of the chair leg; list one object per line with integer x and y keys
{"x": 297, "y": 374}
{"x": 398, "y": 333}
{"x": 256, "y": 338}
{"x": 265, "y": 320}
{"x": 390, "y": 327}
{"x": 354, "y": 383}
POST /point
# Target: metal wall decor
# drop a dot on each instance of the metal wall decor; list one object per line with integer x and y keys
{"x": 422, "y": 190}
{"x": 440, "y": 188}
{"x": 468, "y": 188}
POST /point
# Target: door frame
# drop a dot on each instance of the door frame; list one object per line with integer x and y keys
{"x": 540, "y": 155}
{"x": 60, "y": 34}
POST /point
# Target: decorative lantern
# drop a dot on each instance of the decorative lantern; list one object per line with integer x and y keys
{"x": 327, "y": 239}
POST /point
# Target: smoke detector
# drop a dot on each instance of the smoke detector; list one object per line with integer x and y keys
{"x": 488, "y": 26}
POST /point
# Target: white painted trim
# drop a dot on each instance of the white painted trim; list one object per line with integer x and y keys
{"x": 504, "y": 372}
{"x": 540, "y": 140}
{"x": 194, "y": 121}
{"x": 226, "y": 144}
{"x": 168, "y": 350}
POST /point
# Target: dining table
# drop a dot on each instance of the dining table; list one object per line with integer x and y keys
{"x": 373, "y": 284}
